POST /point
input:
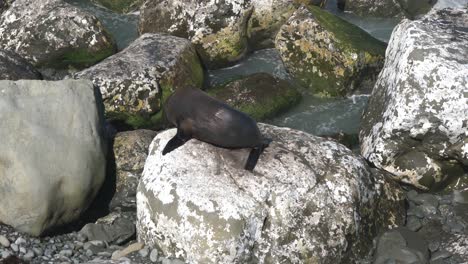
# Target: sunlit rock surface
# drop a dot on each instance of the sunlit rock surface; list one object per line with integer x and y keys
{"x": 52, "y": 161}
{"x": 309, "y": 200}
{"x": 216, "y": 28}
{"x": 54, "y": 34}
{"x": 135, "y": 82}
{"x": 327, "y": 54}
{"x": 416, "y": 123}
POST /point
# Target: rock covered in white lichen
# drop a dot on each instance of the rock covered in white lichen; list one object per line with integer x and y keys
{"x": 216, "y": 28}
{"x": 268, "y": 16}
{"x": 52, "y": 161}
{"x": 53, "y": 33}
{"x": 13, "y": 67}
{"x": 135, "y": 81}
{"x": 308, "y": 200}
{"x": 416, "y": 124}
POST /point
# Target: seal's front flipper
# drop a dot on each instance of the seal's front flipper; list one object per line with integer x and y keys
{"x": 178, "y": 140}
{"x": 255, "y": 154}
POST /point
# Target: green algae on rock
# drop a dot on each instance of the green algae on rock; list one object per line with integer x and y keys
{"x": 327, "y": 54}
{"x": 120, "y": 6}
{"x": 136, "y": 81}
{"x": 259, "y": 95}
{"x": 216, "y": 28}
{"x": 54, "y": 34}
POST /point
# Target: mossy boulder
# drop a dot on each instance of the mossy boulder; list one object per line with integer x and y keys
{"x": 54, "y": 34}
{"x": 327, "y": 54}
{"x": 120, "y": 6}
{"x": 259, "y": 95}
{"x": 267, "y": 18}
{"x": 136, "y": 81}
{"x": 216, "y": 28}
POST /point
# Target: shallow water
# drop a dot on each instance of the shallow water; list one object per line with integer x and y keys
{"x": 123, "y": 27}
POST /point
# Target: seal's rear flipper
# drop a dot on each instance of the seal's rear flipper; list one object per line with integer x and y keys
{"x": 178, "y": 140}
{"x": 255, "y": 155}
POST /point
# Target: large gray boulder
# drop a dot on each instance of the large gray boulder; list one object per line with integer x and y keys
{"x": 416, "y": 125}
{"x": 309, "y": 200}
{"x": 54, "y": 34}
{"x": 136, "y": 81}
{"x": 327, "y": 54}
{"x": 216, "y": 28}
{"x": 52, "y": 161}
{"x": 387, "y": 8}
{"x": 14, "y": 67}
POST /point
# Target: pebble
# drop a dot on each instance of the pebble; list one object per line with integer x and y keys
{"x": 434, "y": 246}
{"x": 66, "y": 252}
{"x": 144, "y": 252}
{"x": 4, "y": 241}
{"x": 5, "y": 254}
{"x": 14, "y": 247}
{"x": 413, "y": 223}
{"x": 20, "y": 241}
{"x": 22, "y": 250}
{"x": 29, "y": 255}
{"x": 154, "y": 255}
{"x": 38, "y": 251}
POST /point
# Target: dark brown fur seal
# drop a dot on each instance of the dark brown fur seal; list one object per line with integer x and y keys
{"x": 197, "y": 115}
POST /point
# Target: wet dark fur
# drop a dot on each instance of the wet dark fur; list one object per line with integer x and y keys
{"x": 197, "y": 115}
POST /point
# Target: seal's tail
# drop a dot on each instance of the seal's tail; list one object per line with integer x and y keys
{"x": 255, "y": 154}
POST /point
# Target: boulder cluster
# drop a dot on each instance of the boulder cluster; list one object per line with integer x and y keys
{"x": 83, "y": 178}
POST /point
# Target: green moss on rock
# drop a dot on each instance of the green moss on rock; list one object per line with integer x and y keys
{"x": 327, "y": 54}
{"x": 260, "y": 95}
{"x": 79, "y": 59}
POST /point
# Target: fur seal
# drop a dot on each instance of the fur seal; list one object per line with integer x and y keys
{"x": 197, "y": 115}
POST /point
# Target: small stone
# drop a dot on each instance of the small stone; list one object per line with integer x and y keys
{"x": 66, "y": 252}
{"x": 89, "y": 253}
{"x": 434, "y": 246}
{"x": 124, "y": 252}
{"x": 144, "y": 252}
{"x": 22, "y": 250}
{"x": 81, "y": 237}
{"x": 415, "y": 211}
{"x": 154, "y": 255}
{"x": 20, "y": 241}
{"x": 105, "y": 254}
{"x": 413, "y": 223}
{"x": 38, "y": 251}
{"x": 29, "y": 255}
{"x": 4, "y": 241}
{"x": 14, "y": 247}
{"x": 5, "y": 254}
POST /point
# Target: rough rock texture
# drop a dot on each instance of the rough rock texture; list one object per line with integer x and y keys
{"x": 327, "y": 54}
{"x": 4, "y": 4}
{"x": 136, "y": 81}
{"x": 259, "y": 95}
{"x": 401, "y": 245}
{"x": 52, "y": 161}
{"x": 216, "y": 28}
{"x": 52, "y": 33}
{"x": 387, "y": 8}
{"x": 14, "y": 67}
{"x": 121, "y": 6}
{"x": 415, "y": 125}
{"x": 130, "y": 151}
{"x": 267, "y": 18}
{"x": 309, "y": 200}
